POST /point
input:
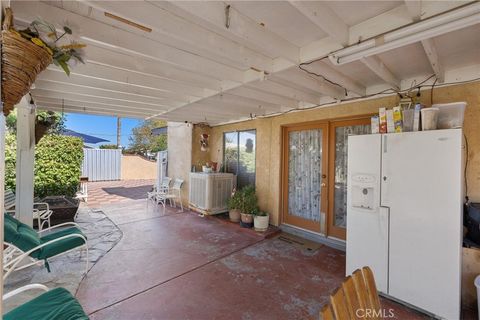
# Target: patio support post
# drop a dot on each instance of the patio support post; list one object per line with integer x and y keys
{"x": 2, "y": 191}
{"x": 25, "y": 161}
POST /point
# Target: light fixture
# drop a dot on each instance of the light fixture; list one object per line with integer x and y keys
{"x": 453, "y": 20}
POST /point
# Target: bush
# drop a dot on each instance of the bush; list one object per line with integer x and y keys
{"x": 58, "y": 161}
{"x": 108, "y": 146}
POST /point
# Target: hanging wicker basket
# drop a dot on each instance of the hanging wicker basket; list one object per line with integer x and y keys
{"x": 22, "y": 61}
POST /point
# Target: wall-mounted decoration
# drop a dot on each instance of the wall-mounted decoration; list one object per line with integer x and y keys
{"x": 204, "y": 142}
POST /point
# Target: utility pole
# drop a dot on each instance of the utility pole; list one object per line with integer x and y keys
{"x": 119, "y": 131}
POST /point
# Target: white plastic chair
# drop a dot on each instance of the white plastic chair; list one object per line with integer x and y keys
{"x": 159, "y": 194}
{"x": 82, "y": 193}
{"x": 176, "y": 193}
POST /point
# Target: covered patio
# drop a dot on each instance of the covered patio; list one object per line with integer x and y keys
{"x": 267, "y": 94}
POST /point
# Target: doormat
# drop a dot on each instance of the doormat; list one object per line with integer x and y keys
{"x": 300, "y": 242}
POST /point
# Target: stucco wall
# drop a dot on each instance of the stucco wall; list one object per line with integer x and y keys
{"x": 180, "y": 154}
{"x": 269, "y": 140}
{"x": 136, "y": 167}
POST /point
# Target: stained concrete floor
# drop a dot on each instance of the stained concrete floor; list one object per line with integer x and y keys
{"x": 173, "y": 265}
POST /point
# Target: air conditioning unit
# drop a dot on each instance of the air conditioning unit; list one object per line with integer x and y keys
{"x": 209, "y": 192}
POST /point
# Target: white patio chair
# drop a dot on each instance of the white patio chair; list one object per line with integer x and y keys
{"x": 23, "y": 243}
{"x": 176, "y": 193}
{"x": 82, "y": 193}
{"x": 159, "y": 194}
{"x": 41, "y": 210}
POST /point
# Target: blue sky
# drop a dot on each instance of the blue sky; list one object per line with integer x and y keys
{"x": 101, "y": 126}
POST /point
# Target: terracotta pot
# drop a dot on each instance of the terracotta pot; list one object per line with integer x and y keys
{"x": 234, "y": 215}
{"x": 246, "y": 220}
{"x": 261, "y": 223}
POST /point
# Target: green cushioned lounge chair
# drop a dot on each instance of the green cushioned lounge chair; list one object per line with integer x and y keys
{"x": 23, "y": 242}
{"x": 55, "y": 304}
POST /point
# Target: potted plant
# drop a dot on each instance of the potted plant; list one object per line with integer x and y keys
{"x": 248, "y": 206}
{"x": 44, "y": 121}
{"x": 260, "y": 221}
{"x": 234, "y": 204}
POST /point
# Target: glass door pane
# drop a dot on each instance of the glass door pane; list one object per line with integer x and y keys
{"x": 338, "y": 208}
{"x": 305, "y": 197}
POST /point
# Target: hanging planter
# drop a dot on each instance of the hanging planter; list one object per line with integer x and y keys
{"x": 22, "y": 61}
{"x": 43, "y": 122}
{"x": 26, "y": 53}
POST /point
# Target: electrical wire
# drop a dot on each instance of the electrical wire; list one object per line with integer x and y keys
{"x": 431, "y": 91}
{"x": 466, "y": 167}
{"x": 386, "y": 91}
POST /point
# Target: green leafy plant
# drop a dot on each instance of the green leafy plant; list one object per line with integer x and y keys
{"x": 235, "y": 201}
{"x": 108, "y": 146}
{"x": 58, "y": 161}
{"x": 45, "y": 35}
{"x": 249, "y": 200}
{"x": 261, "y": 213}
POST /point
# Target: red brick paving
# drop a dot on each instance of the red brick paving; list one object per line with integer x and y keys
{"x": 108, "y": 192}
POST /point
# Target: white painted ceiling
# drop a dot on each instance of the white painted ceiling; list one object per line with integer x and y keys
{"x": 191, "y": 67}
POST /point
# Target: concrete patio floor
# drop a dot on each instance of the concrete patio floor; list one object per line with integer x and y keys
{"x": 173, "y": 265}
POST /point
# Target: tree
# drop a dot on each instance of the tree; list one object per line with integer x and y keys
{"x": 142, "y": 140}
{"x": 108, "y": 146}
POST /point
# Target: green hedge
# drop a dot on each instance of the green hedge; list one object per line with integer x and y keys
{"x": 58, "y": 161}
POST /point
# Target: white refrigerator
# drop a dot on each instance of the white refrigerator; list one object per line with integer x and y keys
{"x": 404, "y": 202}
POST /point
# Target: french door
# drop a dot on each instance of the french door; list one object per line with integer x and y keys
{"x": 314, "y": 174}
{"x": 305, "y": 166}
{"x": 337, "y": 167}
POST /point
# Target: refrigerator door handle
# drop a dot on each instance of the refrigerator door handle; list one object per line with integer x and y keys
{"x": 385, "y": 143}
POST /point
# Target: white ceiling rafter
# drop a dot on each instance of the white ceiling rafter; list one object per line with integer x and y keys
{"x": 142, "y": 65}
{"x": 125, "y": 41}
{"x": 167, "y": 25}
{"x": 98, "y": 100}
{"x": 103, "y": 82}
{"x": 212, "y": 15}
{"x": 97, "y": 92}
{"x": 325, "y": 18}
{"x": 378, "y": 67}
{"x": 433, "y": 58}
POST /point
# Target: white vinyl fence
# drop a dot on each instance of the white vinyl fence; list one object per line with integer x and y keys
{"x": 102, "y": 164}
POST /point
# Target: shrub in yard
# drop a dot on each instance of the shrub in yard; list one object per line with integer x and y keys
{"x": 58, "y": 161}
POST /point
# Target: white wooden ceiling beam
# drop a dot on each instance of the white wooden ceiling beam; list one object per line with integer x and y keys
{"x": 315, "y": 84}
{"x": 48, "y": 95}
{"x": 101, "y": 93}
{"x": 414, "y": 8}
{"x": 211, "y": 14}
{"x": 331, "y": 74}
{"x": 325, "y": 18}
{"x": 244, "y": 91}
{"x": 81, "y": 105}
{"x": 272, "y": 85}
{"x": 95, "y": 99}
{"x": 378, "y": 67}
{"x": 86, "y": 109}
{"x": 105, "y": 35}
{"x": 432, "y": 55}
{"x": 118, "y": 76}
{"x": 166, "y": 25}
{"x": 74, "y": 79}
{"x": 143, "y": 65}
